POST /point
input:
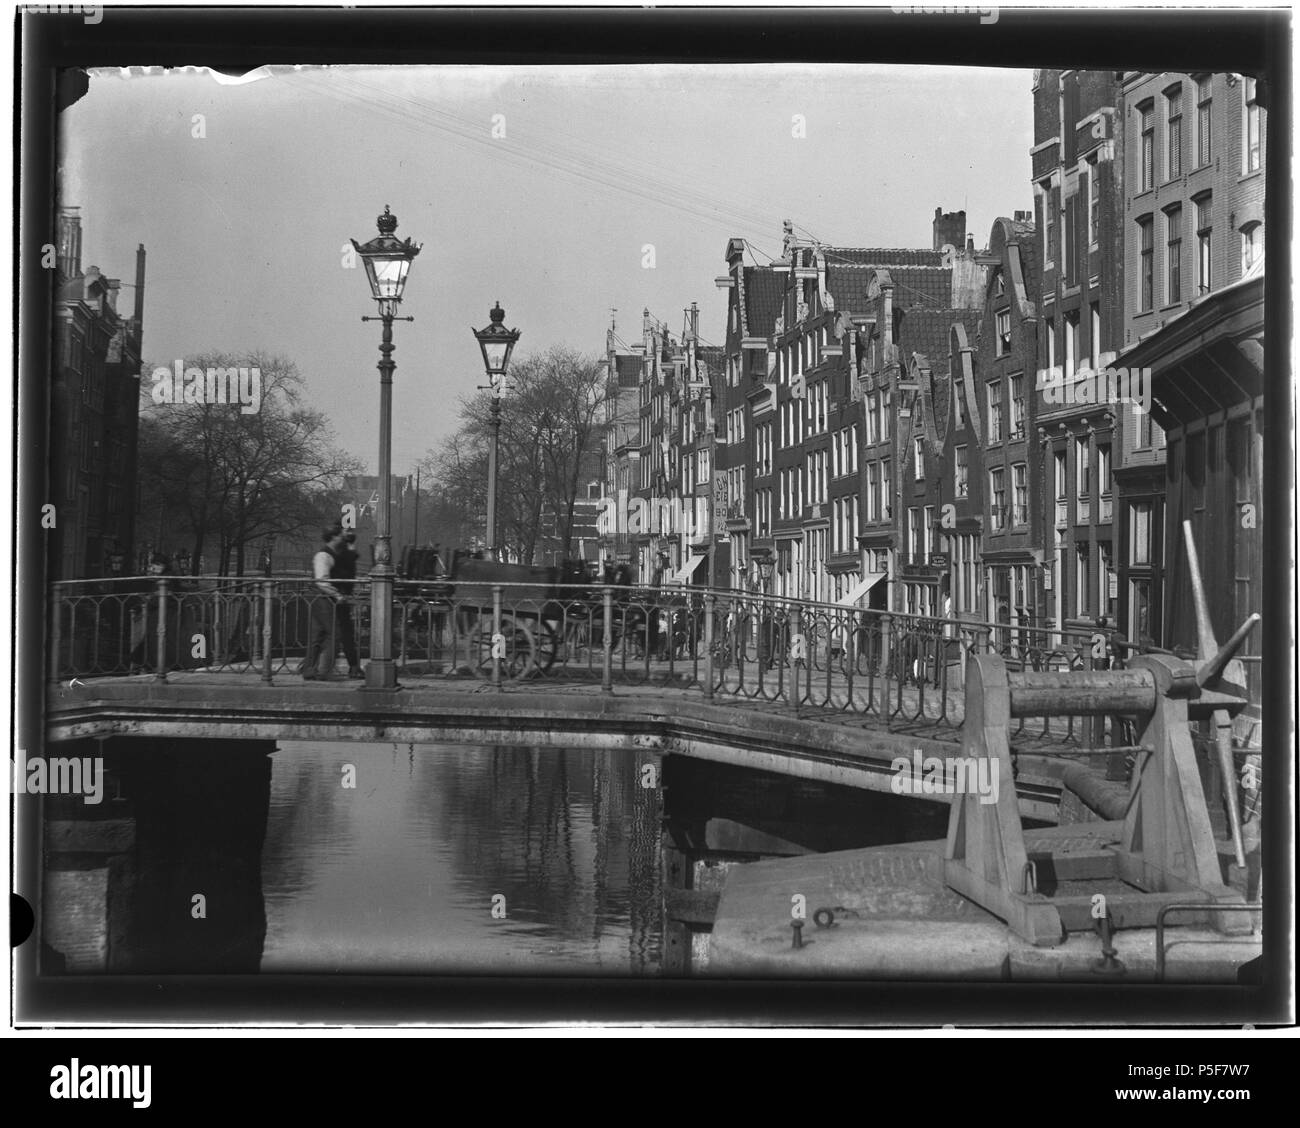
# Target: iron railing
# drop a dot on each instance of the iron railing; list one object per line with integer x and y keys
{"x": 802, "y": 654}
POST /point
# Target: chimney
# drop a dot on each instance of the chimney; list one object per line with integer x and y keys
{"x": 69, "y": 242}
{"x": 139, "y": 292}
{"x": 970, "y": 245}
{"x": 695, "y": 321}
{"x": 949, "y": 227}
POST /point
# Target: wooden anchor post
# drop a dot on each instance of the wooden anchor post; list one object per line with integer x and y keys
{"x": 1166, "y": 853}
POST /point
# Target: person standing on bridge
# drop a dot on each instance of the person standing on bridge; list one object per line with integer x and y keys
{"x": 344, "y": 576}
{"x": 325, "y": 607}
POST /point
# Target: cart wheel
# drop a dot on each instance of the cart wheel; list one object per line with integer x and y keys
{"x": 521, "y": 649}
{"x": 548, "y": 645}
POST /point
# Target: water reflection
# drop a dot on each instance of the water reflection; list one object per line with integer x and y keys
{"x": 360, "y": 858}
{"x": 403, "y": 871}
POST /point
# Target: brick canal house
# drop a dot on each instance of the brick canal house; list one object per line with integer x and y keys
{"x": 94, "y": 416}
{"x": 1001, "y": 419}
{"x": 1078, "y": 171}
{"x": 745, "y": 447}
{"x": 622, "y": 478}
{"x": 1194, "y": 315}
{"x": 659, "y": 451}
{"x": 911, "y": 307}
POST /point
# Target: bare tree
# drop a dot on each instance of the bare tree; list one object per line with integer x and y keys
{"x": 549, "y": 447}
{"x": 230, "y": 477}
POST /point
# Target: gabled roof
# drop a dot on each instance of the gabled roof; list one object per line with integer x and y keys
{"x": 882, "y": 256}
{"x": 711, "y": 356}
{"x": 927, "y": 287}
{"x": 925, "y": 331}
{"x": 628, "y": 370}
{"x": 764, "y": 296}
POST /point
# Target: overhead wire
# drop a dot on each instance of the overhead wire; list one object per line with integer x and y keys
{"x": 628, "y": 181}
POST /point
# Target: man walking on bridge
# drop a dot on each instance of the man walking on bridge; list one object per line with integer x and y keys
{"x": 331, "y": 618}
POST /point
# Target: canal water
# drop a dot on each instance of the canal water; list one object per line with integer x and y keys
{"x": 215, "y": 857}
{"x": 520, "y": 861}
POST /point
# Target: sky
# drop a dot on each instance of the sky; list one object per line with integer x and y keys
{"x": 539, "y": 187}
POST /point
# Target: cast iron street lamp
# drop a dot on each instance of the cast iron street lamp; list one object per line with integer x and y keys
{"x": 387, "y": 260}
{"x": 765, "y": 566}
{"x": 497, "y": 343}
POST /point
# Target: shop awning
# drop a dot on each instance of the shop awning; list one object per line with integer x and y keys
{"x": 688, "y": 569}
{"x": 870, "y": 580}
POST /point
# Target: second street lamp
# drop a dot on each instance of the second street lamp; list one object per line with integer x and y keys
{"x": 497, "y": 343}
{"x": 387, "y": 260}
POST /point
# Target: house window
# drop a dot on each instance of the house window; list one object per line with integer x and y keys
{"x": 1018, "y": 406}
{"x": 1103, "y": 470}
{"x": 1173, "y": 255}
{"x": 1146, "y": 296}
{"x": 1081, "y": 466}
{"x": 1071, "y": 345}
{"x": 995, "y": 411}
{"x": 873, "y": 491}
{"x": 1050, "y": 325}
{"x": 1250, "y": 132}
{"x": 1252, "y": 245}
{"x": 1081, "y": 580}
{"x": 1139, "y": 532}
{"x": 1020, "y": 494}
{"x": 1062, "y": 489}
{"x": 886, "y": 490}
{"x": 1048, "y": 224}
{"x": 997, "y": 499}
{"x": 927, "y": 531}
{"x": 1204, "y": 230}
{"x": 1204, "y": 103}
{"x": 1147, "y": 115}
{"x": 961, "y": 472}
{"x": 1174, "y": 120}
{"x": 1002, "y": 340}
{"x": 871, "y": 419}
{"x": 1094, "y": 201}
{"x": 1150, "y": 434}
{"x": 1094, "y": 318}
{"x": 918, "y": 460}
{"x": 958, "y": 399}
{"x": 914, "y": 534}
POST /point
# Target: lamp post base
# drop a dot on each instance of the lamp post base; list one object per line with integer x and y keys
{"x": 381, "y": 674}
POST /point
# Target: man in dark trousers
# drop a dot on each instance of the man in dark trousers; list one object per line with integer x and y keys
{"x": 324, "y": 607}
{"x": 344, "y": 576}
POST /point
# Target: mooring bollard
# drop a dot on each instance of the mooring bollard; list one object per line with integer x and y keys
{"x": 797, "y": 927}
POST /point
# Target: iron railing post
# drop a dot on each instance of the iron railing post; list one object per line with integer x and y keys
{"x": 607, "y": 643}
{"x": 709, "y": 600}
{"x": 797, "y": 633}
{"x": 268, "y": 610}
{"x": 56, "y": 634}
{"x": 161, "y": 674}
{"x": 496, "y": 633}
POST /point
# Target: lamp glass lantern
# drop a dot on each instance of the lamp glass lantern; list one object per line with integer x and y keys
{"x": 387, "y": 261}
{"x": 497, "y": 343}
